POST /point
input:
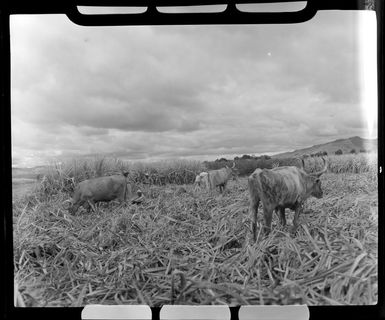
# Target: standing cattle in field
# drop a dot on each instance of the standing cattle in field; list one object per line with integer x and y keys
{"x": 280, "y": 188}
{"x": 202, "y": 180}
{"x": 108, "y": 188}
{"x": 219, "y": 178}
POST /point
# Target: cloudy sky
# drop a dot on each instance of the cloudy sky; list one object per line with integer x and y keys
{"x": 201, "y": 92}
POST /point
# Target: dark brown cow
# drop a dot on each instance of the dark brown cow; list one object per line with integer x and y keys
{"x": 108, "y": 188}
{"x": 280, "y": 188}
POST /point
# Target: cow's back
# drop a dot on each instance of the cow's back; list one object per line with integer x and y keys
{"x": 254, "y": 184}
{"x": 216, "y": 177}
{"x": 282, "y": 185}
{"x": 104, "y": 188}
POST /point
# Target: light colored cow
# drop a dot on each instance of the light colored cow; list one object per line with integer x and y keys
{"x": 219, "y": 178}
{"x": 280, "y": 188}
{"x": 202, "y": 180}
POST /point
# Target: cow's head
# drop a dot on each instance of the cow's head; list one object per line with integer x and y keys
{"x": 233, "y": 171}
{"x": 316, "y": 190}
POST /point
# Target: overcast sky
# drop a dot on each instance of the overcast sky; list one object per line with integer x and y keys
{"x": 201, "y": 92}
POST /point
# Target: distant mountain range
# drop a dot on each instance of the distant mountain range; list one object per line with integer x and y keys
{"x": 357, "y": 144}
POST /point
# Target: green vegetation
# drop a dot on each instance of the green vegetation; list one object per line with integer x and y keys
{"x": 338, "y": 152}
{"x": 346, "y": 163}
{"x": 62, "y": 177}
{"x": 188, "y": 246}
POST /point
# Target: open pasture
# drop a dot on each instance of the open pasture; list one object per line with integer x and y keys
{"x": 187, "y": 246}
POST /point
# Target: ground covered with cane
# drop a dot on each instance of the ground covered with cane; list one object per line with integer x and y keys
{"x": 185, "y": 245}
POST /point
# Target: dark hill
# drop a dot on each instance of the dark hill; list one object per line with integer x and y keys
{"x": 357, "y": 144}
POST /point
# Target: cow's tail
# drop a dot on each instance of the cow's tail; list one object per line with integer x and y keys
{"x": 301, "y": 163}
{"x": 254, "y": 190}
{"x": 267, "y": 185}
{"x": 209, "y": 181}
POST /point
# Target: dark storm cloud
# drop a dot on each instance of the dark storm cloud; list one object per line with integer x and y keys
{"x": 109, "y": 89}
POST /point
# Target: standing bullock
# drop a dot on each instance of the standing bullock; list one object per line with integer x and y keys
{"x": 219, "y": 178}
{"x": 280, "y": 188}
{"x": 108, "y": 188}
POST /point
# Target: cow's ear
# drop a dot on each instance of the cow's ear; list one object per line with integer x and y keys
{"x": 125, "y": 173}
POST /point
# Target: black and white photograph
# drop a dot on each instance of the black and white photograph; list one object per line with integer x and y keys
{"x": 195, "y": 164}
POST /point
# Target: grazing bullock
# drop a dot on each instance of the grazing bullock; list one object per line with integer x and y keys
{"x": 219, "y": 178}
{"x": 202, "y": 180}
{"x": 280, "y": 188}
{"x": 108, "y": 188}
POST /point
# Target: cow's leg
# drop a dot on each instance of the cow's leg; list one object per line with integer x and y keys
{"x": 282, "y": 216}
{"x": 254, "y": 203}
{"x": 83, "y": 203}
{"x": 268, "y": 216}
{"x": 124, "y": 196}
{"x": 86, "y": 206}
{"x": 91, "y": 204}
{"x": 297, "y": 212}
{"x": 224, "y": 186}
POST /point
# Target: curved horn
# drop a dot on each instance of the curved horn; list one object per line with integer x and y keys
{"x": 233, "y": 165}
{"x": 319, "y": 173}
{"x": 304, "y": 165}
